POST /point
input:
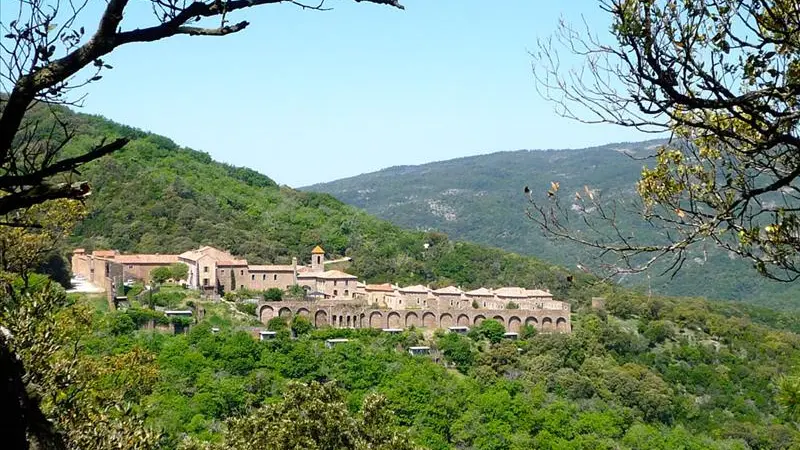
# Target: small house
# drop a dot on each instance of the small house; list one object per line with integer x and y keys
{"x": 416, "y": 351}
{"x": 330, "y": 343}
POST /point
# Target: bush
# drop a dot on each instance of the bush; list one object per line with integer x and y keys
{"x": 277, "y": 324}
{"x": 273, "y": 295}
{"x": 527, "y": 331}
{"x": 296, "y": 291}
{"x": 122, "y": 324}
{"x": 168, "y": 299}
{"x": 490, "y": 330}
{"x": 142, "y": 316}
{"x": 179, "y": 271}
{"x": 512, "y": 305}
{"x": 247, "y": 308}
{"x": 301, "y": 325}
{"x": 160, "y": 275}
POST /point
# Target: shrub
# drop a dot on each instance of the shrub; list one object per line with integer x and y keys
{"x": 160, "y": 275}
{"x": 273, "y": 295}
{"x": 490, "y": 330}
{"x": 277, "y": 324}
{"x": 247, "y": 308}
{"x": 512, "y": 305}
{"x": 122, "y": 324}
{"x": 301, "y": 325}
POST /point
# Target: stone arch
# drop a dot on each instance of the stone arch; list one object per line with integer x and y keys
{"x": 347, "y": 321}
{"x": 303, "y": 312}
{"x": 478, "y": 319}
{"x": 285, "y": 312}
{"x": 547, "y": 324}
{"x": 532, "y": 321}
{"x": 267, "y": 312}
{"x": 412, "y": 320}
{"x": 561, "y": 324}
{"x": 446, "y": 320}
{"x": 429, "y": 320}
{"x": 463, "y": 320}
{"x": 320, "y": 319}
{"x": 376, "y": 319}
{"x": 394, "y": 320}
{"x": 514, "y": 324}
{"x": 500, "y": 319}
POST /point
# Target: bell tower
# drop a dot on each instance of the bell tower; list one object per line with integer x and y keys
{"x": 318, "y": 259}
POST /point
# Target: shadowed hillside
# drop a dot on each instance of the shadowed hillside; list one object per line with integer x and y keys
{"x": 480, "y": 199}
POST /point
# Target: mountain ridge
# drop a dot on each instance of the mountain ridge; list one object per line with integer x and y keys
{"x": 479, "y": 198}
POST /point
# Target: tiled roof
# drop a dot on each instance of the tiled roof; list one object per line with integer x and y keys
{"x": 538, "y": 293}
{"x": 232, "y": 263}
{"x": 511, "y": 292}
{"x": 79, "y": 250}
{"x": 482, "y": 292}
{"x": 385, "y": 287}
{"x": 317, "y": 250}
{"x": 271, "y": 268}
{"x": 416, "y": 289}
{"x": 191, "y": 255}
{"x": 329, "y": 275}
{"x": 449, "y": 290}
{"x": 104, "y": 253}
{"x": 146, "y": 259}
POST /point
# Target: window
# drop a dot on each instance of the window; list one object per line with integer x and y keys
{"x": 241, "y": 286}
{"x": 130, "y": 266}
{"x": 264, "y": 277}
{"x": 205, "y": 281}
{"x": 335, "y": 292}
{"x": 221, "y": 270}
{"x": 205, "y": 269}
{"x": 253, "y": 277}
{"x": 484, "y": 304}
{"x": 241, "y": 272}
{"x": 335, "y": 282}
{"x": 275, "y": 277}
{"x": 345, "y": 282}
{"x": 346, "y": 293}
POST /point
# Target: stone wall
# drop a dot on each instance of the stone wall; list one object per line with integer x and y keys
{"x": 357, "y": 315}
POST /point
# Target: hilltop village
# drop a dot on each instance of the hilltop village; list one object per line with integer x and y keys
{"x": 332, "y": 297}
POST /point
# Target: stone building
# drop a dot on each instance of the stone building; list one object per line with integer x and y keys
{"x": 340, "y": 299}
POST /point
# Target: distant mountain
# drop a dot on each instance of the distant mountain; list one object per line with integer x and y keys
{"x": 480, "y": 199}
{"x": 155, "y": 196}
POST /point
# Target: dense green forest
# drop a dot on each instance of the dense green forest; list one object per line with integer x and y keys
{"x": 480, "y": 199}
{"x": 656, "y": 373}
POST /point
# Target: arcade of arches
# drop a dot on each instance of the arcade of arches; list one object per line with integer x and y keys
{"x": 342, "y": 315}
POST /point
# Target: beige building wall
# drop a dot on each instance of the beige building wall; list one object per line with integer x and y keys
{"x": 206, "y": 271}
{"x": 263, "y": 280}
{"x": 81, "y": 265}
{"x": 231, "y": 278}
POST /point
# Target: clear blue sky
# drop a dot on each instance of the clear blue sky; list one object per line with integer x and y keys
{"x": 307, "y": 97}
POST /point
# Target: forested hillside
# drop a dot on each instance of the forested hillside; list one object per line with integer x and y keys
{"x": 157, "y": 197}
{"x": 480, "y": 199}
{"x": 648, "y": 372}
{"x": 655, "y": 374}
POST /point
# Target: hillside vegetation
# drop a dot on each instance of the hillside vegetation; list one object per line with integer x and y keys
{"x": 653, "y": 373}
{"x": 480, "y": 199}
{"x": 157, "y": 197}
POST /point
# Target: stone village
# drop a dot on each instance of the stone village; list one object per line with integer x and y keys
{"x": 333, "y": 298}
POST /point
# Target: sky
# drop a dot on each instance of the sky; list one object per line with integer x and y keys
{"x": 307, "y": 97}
